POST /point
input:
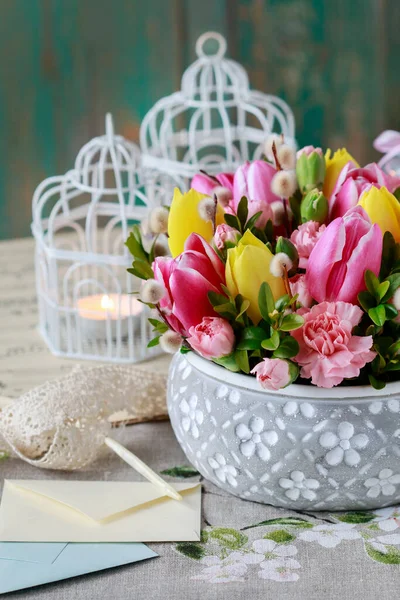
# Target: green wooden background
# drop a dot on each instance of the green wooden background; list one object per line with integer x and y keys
{"x": 65, "y": 63}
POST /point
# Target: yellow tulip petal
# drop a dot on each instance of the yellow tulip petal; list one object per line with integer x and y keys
{"x": 382, "y": 208}
{"x": 184, "y": 219}
{"x": 247, "y": 267}
{"x": 334, "y": 165}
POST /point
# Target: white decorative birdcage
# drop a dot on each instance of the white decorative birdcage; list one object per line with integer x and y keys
{"x": 215, "y": 122}
{"x": 81, "y": 220}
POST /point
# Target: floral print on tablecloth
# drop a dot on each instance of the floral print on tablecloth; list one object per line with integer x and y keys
{"x": 273, "y": 549}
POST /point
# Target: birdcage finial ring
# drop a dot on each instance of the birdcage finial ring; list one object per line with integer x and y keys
{"x": 218, "y": 40}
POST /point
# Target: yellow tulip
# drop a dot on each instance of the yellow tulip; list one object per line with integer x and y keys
{"x": 382, "y": 208}
{"x": 333, "y": 167}
{"x": 247, "y": 267}
{"x": 184, "y": 219}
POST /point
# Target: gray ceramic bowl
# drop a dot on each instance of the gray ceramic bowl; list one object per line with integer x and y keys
{"x": 302, "y": 447}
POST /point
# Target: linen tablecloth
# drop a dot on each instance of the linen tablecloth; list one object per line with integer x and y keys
{"x": 248, "y": 550}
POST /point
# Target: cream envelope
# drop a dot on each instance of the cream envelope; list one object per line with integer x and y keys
{"x": 98, "y": 511}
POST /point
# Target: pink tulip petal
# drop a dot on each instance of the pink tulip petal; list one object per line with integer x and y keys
{"x": 190, "y": 292}
{"x": 196, "y": 243}
{"x": 327, "y": 251}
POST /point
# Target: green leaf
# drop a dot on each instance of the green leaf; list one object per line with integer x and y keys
{"x": 388, "y": 249}
{"x": 288, "y": 348}
{"x": 372, "y": 282}
{"x": 141, "y": 269}
{"x": 377, "y": 384}
{"x": 356, "y": 517}
{"x": 191, "y": 550}
{"x": 135, "y": 247}
{"x": 293, "y": 521}
{"x": 377, "y": 315}
{"x": 251, "y": 338}
{"x": 394, "y": 284}
{"x": 243, "y": 308}
{"x": 226, "y": 310}
{"x": 227, "y": 537}
{"x": 393, "y": 366}
{"x": 216, "y": 299}
{"x": 391, "y": 557}
{"x": 228, "y": 362}
{"x": 182, "y": 472}
{"x": 242, "y": 211}
{"x": 4, "y": 455}
{"x": 232, "y": 221}
{"x": 184, "y": 349}
{"x": 390, "y": 312}
{"x": 280, "y": 536}
{"x": 282, "y": 302}
{"x": 269, "y": 231}
{"x": 292, "y": 322}
{"x": 266, "y": 301}
{"x": 382, "y": 289}
{"x": 366, "y": 300}
{"x": 252, "y": 221}
{"x": 394, "y": 348}
{"x": 242, "y": 360}
{"x": 154, "y": 342}
{"x": 271, "y": 343}
{"x": 159, "y": 326}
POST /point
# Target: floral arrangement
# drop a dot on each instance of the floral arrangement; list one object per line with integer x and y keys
{"x": 288, "y": 269}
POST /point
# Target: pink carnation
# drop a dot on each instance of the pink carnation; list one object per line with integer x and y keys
{"x": 212, "y": 338}
{"x": 224, "y": 233}
{"x": 329, "y": 352}
{"x": 272, "y": 373}
{"x": 305, "y": 238}
{"x": 298, "y": 286}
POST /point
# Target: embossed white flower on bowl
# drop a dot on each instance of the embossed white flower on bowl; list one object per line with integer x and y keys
{"x": 192, "y": 416}
{"x": 384, "y": 484}
{"x": 253, "y": 438}
{"x": 343, "y": 445}
{"x": 223, "y": 471}
{"x": 297, "y": 485}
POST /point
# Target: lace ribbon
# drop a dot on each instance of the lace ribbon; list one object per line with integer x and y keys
{"x": 62, "y": 424}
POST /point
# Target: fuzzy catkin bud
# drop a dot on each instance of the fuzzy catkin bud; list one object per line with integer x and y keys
{"x": 284, "y": 183}
{"x": 207, "y": 208}
{"x": 279, "y": 264}
{"x": 269, "y": 142}
{"x": 170, "y": 342}
{"x": 286, "y": 156}
{"x": 152, "y": 291}
{"x": 223, "y": 194}
{"x": 278, "y": 212}
{"x": 158, "y": 220}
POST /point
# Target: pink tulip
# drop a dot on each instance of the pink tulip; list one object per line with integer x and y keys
{"x": 205, "y": 184}
{"x": 188, "y": 278}
{"x": 212, "y": 338}
{"x": 272, "y": 373}
{"x": 253, "y": 180}
{"x": 336, "y": 266}
{"x": 352, "y": 182}
{"x": 328, "y": 352}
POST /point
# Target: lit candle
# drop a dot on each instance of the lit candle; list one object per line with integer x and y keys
{"x": 97, "y": 310}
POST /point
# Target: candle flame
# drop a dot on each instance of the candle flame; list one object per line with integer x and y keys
{"x": 107, "y": 303}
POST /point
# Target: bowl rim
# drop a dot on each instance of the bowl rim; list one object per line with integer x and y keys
{"x": 305, "y": 392}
